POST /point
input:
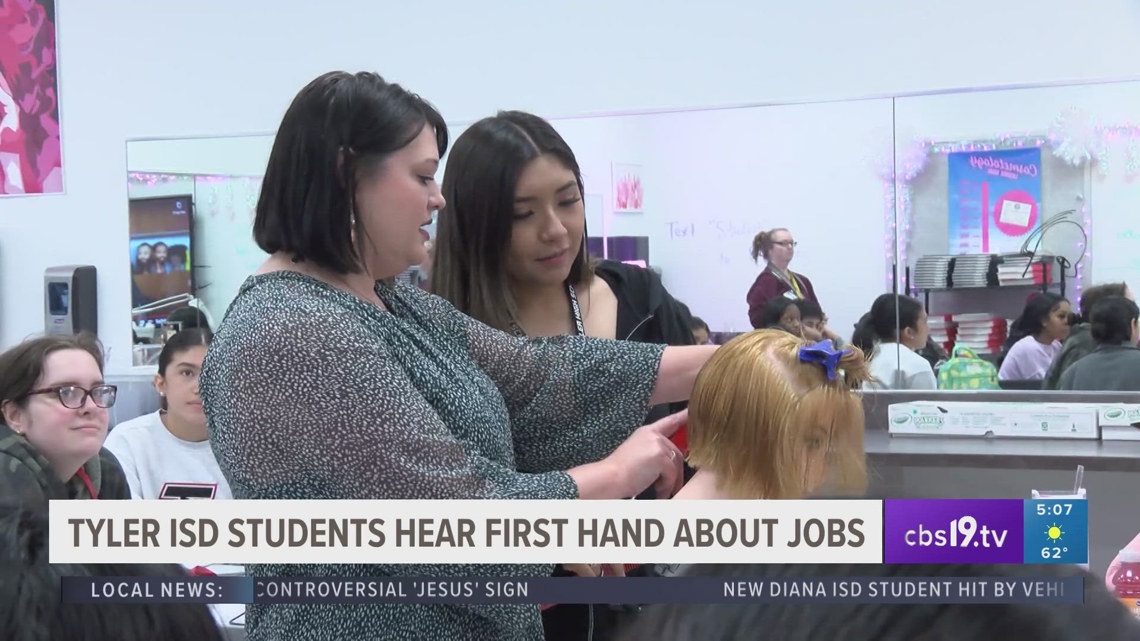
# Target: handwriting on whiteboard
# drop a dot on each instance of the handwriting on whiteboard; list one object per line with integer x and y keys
{"x": 712, "y": 229}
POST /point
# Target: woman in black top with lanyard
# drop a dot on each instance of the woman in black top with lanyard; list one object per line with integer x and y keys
{"x": 511, "y": 252}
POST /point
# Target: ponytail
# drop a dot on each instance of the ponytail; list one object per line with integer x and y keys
{"x": 864, "y": 336}
{"x": 760, "y": 245}
{"x": 890, "y": 314}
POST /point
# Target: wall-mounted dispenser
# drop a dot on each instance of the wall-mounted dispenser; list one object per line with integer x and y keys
{"x": 70, "y": 300}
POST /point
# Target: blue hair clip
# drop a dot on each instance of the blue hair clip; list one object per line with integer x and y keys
{"x": 825, "y": 354}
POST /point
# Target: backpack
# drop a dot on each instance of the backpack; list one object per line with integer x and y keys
{"x": 965, "y": 371}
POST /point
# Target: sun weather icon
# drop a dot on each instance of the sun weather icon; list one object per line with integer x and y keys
{"x": 1054, "y": 532}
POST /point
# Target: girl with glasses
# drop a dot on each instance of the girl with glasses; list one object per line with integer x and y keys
{"x": 53, "y": 420}
{"x": 777, "y": 248}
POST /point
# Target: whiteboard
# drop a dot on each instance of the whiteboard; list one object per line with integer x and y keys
{"x": 716, "y": 178}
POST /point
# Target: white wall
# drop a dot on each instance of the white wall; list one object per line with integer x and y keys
{"x": 133, "y": 68}
{"x": 228, "y": 156}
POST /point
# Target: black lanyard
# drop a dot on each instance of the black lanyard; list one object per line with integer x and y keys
{"x": 575, "y": 313}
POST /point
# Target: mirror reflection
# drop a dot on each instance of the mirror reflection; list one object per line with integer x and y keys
{"x": 998, "y": 200}
{"x": 988, "y": 206}
{"x": 190, "y": 245}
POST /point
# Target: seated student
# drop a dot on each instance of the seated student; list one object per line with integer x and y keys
{"x": 1035, "y": 338}
{"x": 1114, "y": 366}
{"x": 166, "y": 455}
{"x": 890, "y": 334}
{"x": 31, "y": 608}
{"x": 1079, "y": 342}
{"x": 781, "y": 313}
{"x": 814, "y": 322}
{"x": 700, "y": 330}
{"x": 1100, "y": 617}
{"x": 773, "y": 416}
{"x": 53, "y": 419}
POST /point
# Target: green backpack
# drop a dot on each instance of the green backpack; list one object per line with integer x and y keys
{"x": 965, "y": 371}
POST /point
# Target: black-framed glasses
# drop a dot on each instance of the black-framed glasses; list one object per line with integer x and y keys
{"x": 74, "y": 397}
{"x": 785, "y": 243}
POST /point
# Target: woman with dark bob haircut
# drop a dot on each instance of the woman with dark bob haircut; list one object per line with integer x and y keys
{"x": 330, "y": 380}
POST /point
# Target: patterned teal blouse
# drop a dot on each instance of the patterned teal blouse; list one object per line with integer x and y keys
{"x": 312, "y": 393}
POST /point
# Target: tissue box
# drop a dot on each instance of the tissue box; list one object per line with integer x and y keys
{"x": 1116, "y": 422}
{"x": 1025, "y": 420}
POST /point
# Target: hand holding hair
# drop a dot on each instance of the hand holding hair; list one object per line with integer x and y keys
{"x": 647, "y": 458}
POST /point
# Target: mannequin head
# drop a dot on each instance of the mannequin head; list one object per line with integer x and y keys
{"x": 772, "y": 426}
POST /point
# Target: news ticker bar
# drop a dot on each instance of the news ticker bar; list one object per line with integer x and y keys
{"x": 568, "y": 590}
{"x": 1007, "y": 531}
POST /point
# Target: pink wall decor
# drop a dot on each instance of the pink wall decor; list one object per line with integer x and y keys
{"x": 628, "y": 192}
{"x": 31, "y": 158}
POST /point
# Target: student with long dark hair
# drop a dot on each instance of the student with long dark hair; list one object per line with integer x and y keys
{"x": 1035, "y": 338}
{"x": 166, "y": 454}
{"x": 510, "y": 251}
{"x": 891, "y": 333}
{"x": 1114, "y": 366}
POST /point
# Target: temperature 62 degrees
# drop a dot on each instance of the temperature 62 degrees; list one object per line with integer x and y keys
{"x": 1056, "y": 531}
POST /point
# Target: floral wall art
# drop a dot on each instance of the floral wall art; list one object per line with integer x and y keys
{"x": 31, "y": 159}
{"x": 628, "y": 191}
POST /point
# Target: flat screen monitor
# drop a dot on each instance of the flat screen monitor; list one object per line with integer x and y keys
{"x": 161, "y": 253}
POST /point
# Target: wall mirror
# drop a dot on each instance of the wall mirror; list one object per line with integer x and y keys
{"x": 190, "y": 245}
{"x": 996, "y": 196}
{"x": 1038, "y": 177}
{"x": 682, "y": 193}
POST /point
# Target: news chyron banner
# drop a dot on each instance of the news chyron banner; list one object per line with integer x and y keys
{"x": 516, "y": 534}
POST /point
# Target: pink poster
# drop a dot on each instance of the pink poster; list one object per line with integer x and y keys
{"x": 31, "y": 159}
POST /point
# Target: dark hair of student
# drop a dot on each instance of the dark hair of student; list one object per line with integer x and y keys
{"x": 1032, "y": 319}
{"x": 773, "y": 311}
{"x": 809, "y": 309}
{"x": 1091, "y": 296}
{"x": 889, "y": 314}
{"x": 474, "y": 228}
{"x": 762, "y": 244}
{"x": 22, "y": 365}
{"x": 338, "y": 130}
{"x": 179, "y": 343}
{"x": 30, "y": 607}
{"x": 1101, "y": 617}
{"x": 695, "y": 323}
{"x": 1112, "y": 319}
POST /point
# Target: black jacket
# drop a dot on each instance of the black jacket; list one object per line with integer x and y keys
{"x": 647, "y": 313}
